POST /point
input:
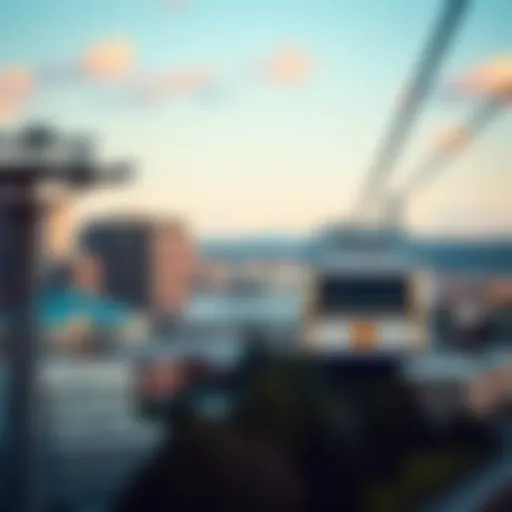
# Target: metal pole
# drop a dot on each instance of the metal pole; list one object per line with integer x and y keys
{"x": 19, "y": 184}
{"x": 24, "y": 404}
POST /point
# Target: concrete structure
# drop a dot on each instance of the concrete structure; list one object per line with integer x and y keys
{"x": 148, "y": 264}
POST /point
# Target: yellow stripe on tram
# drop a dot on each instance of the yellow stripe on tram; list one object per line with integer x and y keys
{"x": 363, "y": 335}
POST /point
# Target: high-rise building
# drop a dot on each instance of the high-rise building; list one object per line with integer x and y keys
{"x": 147, "y": 263}
{"x": 121, "y": 246}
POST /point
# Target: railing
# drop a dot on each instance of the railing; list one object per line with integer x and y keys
{"x": 94, "y": 440}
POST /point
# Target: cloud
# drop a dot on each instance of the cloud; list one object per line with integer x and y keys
{"x": 16, "y": 86}
{"x": 175, "y": 84}
{"x": 492, "y": 78}
{"x": 111, "y": 59}
{"x": 16, "y": 82}
{"x": 288, "y": 66}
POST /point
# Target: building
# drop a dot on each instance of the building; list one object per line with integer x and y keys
{"x": 145, "y": 263}
{"x": 172, "y": 268}
{"x": 213, "y": 277}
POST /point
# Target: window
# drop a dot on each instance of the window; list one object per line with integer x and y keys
{"x": 362, "y": 294}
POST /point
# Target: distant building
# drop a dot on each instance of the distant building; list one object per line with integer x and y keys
{"x": 122, "y": 249}
{"x": 145, "y": 263}
{"x": 213, "y": 276}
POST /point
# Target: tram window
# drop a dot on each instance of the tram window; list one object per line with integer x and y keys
{"x": 346, "y": 294}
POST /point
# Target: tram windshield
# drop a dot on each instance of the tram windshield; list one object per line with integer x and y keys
{"x": 349, "y": 294}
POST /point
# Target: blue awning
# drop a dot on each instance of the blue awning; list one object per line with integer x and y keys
{"x": 57, "y": 309}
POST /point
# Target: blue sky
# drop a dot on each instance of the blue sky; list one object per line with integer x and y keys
{"x": 248, "y": 154}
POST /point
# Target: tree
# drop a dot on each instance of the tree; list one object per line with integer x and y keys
{"x": 211, "y": 467}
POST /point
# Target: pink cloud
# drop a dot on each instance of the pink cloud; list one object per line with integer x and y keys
{"x": 16, "y": 82}
{"x": 111, "y": 59}
{"x": 491, "y": 78}
{"x": 16, "y": 86}
{"x": 288, "y": 66}
{"x": 8, "y": 111}
{"x": 106, "y": 61}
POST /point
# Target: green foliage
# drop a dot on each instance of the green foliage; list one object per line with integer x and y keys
{"x": 423, "y": 474}
{"x": 283, "y": 398}
{"x": 327, "y": 433}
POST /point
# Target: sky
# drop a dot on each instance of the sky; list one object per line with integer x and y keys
{"x": 256, "y": 116}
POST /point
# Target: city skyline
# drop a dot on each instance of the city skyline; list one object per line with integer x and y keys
{"x": 255, "y": 116}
